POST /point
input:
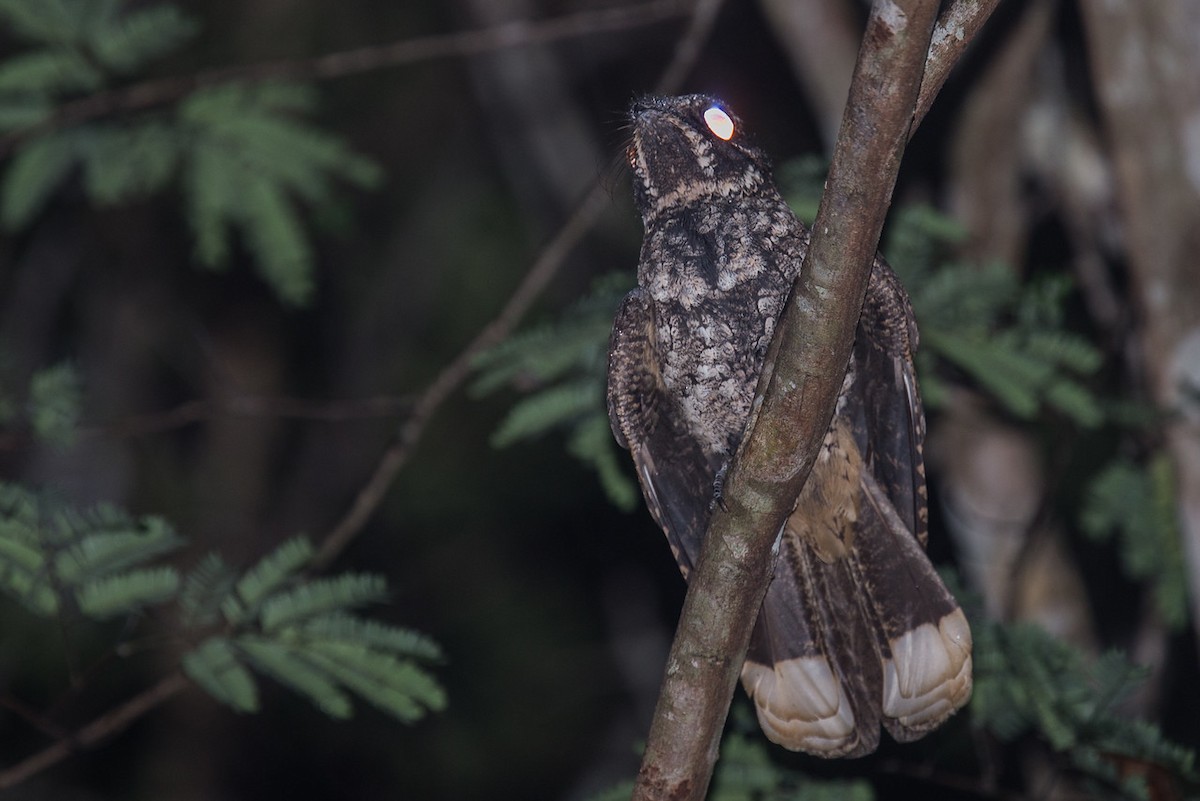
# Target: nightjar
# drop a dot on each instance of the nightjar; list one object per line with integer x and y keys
{"x": 857, "y": 631}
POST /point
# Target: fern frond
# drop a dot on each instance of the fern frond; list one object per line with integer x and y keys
{"x": 220, "y": 104}
{"x": 276, "y": 237}
{"x": 108, "y": 551}
{"x": 397, "y": 687}
{"x": 24, "y": 574}
{"x": 299, "y": 157}
{"x": 49, "y": 72}
{"x": 322, "y": 597}
{"x": 22, "y": 111}
{"x": 545, "y": 353}
{"x": 127, "y": 41}
{"x": 1027, "y": 681}
{"x": 341, "y": 628}
{"x": 48, "y": 547}
{"x": 542, "y": 411}
{"x": 745, "y": 772}
{"x": 56, "y": 403}
{"x": 274, "y": 570}
{"x": 592, "y": 443}
{"x": 39, "y": 20}
{"x": 575, "y": 344}
{"x": 248, "y": 165}
{"x": 36, "y": 171}
{"x": 1136, "y": 505}
{"x": 289, "y": 668}
{"x": 212, "y": 197}
{"x": 1064, "y": 349}
{"x": 963, "y": 298}
{"x": 127, "y": 592}
{"x": 1000, "y": 371}
{"x": 204, "y": 590}
{"x": 215, "y": 667}
{"x": 918, "y": 237}
{"x": 122, "y": 163}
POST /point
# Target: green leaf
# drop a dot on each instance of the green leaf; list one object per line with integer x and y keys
{"x": 99, "y": 554}
{"x": 540, "y": 412}
{"x": 214, "y": 666}
{"x": 124, "y": 163}
{"x": 248, "y": 166}
{"x": 287, "y": 666}
{"x": 276, "y": 237}
{"x": 50, "y": 71}
{"x": 23, "y": 575}
{"x": 127, "y": 592}
{"x": 1136, "y": 504}
{"x": 204, "y": 590}
{"x": 397, "y": 687}
{"x": 273, "y": 570}
{"x": 19, "y": 112}
{"x": 322, "y": 597}
{"x": 129, "y": 41}
{"x": 1028, "y": 681}
{"x": 592, "y": 442}
{"x": 36, "y": 171}
{"x": 368, "y": 634}
{"x": 213, "y": 200}
{"x": 40, "y": 20}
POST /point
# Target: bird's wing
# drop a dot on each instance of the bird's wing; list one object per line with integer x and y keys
{"x": 675, "y": 474}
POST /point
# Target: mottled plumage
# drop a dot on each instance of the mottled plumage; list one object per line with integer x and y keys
{"x": 857, "y": 630}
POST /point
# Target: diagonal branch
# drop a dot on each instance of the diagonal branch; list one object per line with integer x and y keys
{"x": 793, "y": 405}
{"x": 99, "y": 730}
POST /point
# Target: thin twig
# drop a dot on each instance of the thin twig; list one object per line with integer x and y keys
{"x": 100, "y": 729}
{"x": 518, "y": 33}
{"x": 956, "y": 29}
{"x": 453, "y": 375}
{"x": 196, "y": 411}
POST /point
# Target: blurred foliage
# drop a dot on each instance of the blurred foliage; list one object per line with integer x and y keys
{"x": 560, "y": 367}
{"x": 55, "y": 559}
{"x": 299, "y": 631}
{"x": 1134, "y": 503}
{"x": 242, "y": 154}
{"x": 55, "y": 403}
{"x": 60, "y": 562}
{"x": 1030, "y": 682}
{"x": 746, "y": 772}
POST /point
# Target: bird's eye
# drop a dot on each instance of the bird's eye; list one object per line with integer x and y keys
{"x": 719, "y": 123}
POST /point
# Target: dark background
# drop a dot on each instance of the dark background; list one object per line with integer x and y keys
{"x": 555, "y": 610}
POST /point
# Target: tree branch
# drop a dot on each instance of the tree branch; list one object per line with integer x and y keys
{"x": 955, "y": 30}
{"x": 100, "y": 729}
{"x": 794, "y": 404}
